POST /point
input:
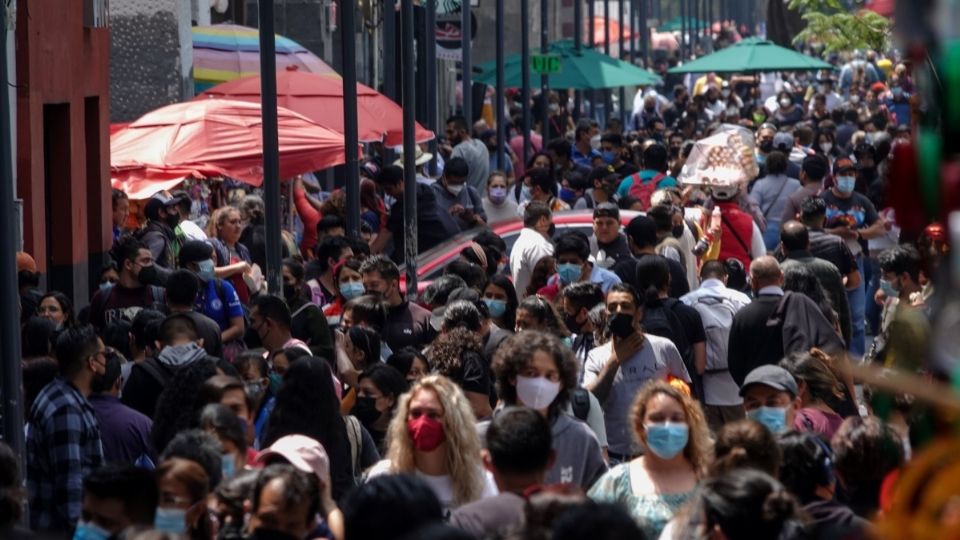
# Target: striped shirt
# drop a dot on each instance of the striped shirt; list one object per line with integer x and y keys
{"x": 63, "y": 447}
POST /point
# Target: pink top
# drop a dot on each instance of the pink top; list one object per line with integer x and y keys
{"x": 822, "y": 423}
{"x": 309, "y": 216}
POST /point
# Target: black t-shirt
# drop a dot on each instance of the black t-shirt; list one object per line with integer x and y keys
{"x": 120, "y": 303}
{"x": 433, "y": 225}
{"x": 407, "y": 325}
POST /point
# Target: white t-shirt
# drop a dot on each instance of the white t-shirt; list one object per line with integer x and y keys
{"x": 529, "y": 248}
{"x": 442, "y": 486}
{"x": 657, "y": 358}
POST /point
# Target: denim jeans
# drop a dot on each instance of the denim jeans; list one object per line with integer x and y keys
{"x": 857, "y": 300}
{"x": 873, "y": 311}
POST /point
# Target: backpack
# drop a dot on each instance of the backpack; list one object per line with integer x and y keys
{"x": 717, "y": 314}
{"x": 159, "y": 372}
{"x": 663, "y": 322}
{"x": 580, "y": 403}
{"x": 643, "y": 190}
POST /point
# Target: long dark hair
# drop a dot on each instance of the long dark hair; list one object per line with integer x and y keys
{"x": 69, "y": 319}
{"x": 179, "y": 404}
{"x": 509, "y": 318}
{"x": 307, "y": 405}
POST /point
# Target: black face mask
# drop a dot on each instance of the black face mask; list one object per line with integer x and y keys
{"x": 552, "y": 230}
{"x": 172, "y": 220}
{"x": 766, "y": 146}
{"x": 570, "y": 321}
{"x": 677, "y": 231}
{"x": 621, "y": 325}
{"x": 365, "y": 409}
{"x": 252, "y": 339}
{"x": 148, "y": 275}
{"x": 290, "y": 291}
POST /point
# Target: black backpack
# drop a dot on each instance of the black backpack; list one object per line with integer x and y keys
{"x": 580, "y": 403}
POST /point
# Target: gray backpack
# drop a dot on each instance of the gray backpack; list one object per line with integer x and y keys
{"x": 717, "y": 313}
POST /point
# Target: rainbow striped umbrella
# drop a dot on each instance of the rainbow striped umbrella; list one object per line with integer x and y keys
{"x": 224, "y": 52}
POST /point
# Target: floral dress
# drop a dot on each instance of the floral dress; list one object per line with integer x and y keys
{"x": 651, "y": 512}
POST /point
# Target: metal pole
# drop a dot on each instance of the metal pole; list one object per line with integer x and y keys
{"x": 271, "y": 144}
{"x": 607, "y": 101}
{"x": 525, "y": 75}
{"x": 577, "y": 42}
{"x": 642, "y": 16}
{"x": 683, "y": 30}
{"x": 389, "y": 49}
{"x": 499, "y": 102}
{"x": 348, "y": 44}
{"x": 9, "y": 310}
{"x": 635, "y": 31}
{"x": 544, "y": 85}
{"x": 466, "y": 63}
{"x": 622, "y": 36}
{"x": 409, "y": 148}
{"x": 431, "y": 75}
{"x": 591, "y": 16}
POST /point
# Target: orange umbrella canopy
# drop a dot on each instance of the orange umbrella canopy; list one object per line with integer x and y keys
{"x": 320, "y": 98}
{"x": 217, "y": 138}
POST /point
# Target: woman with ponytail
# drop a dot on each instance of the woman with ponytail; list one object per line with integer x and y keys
{"x": 747, "y": 503}
{"x": 669, "y": 318}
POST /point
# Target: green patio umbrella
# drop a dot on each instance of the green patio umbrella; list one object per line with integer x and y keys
{"x": 752, "y": 56}
{"x": 586, "y": 70}
{"x": 676, "y": 24}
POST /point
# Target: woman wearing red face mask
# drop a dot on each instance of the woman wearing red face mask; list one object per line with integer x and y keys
{"x": 432, "y": 436}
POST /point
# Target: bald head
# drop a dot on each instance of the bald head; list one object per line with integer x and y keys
{"x": 764, "y": 272}
{"x": 794, "y": 236}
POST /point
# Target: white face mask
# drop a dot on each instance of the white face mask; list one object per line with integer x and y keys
{"x": 537, "y": 392}
{"x": 826, "y": 147}
{"x": 455, "y": 189}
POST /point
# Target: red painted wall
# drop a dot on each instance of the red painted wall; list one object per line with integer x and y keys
{"x": 63, "y": 70}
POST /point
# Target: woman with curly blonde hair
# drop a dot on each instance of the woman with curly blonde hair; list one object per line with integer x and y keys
{"x": 677, "y": 450}
{"x": 433, "y": 436}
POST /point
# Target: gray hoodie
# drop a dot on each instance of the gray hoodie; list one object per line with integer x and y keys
{"x": 175, "y": 356}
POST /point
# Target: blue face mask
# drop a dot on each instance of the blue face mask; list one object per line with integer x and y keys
{"x": 668, "y": 439}
{"x": 228, "y": 466}
{"x": 774, "y": 418}
{"x": 275, "y": 380}
{"x": 496, "y": 307}
{"x": 205, "y": 269}
{"x": 846, "y": 183}
{"x": 887, "y": 288}
{"x": 569, "y": 272}
{"x": 526, "y": 193}
{"x": 609, "y": 157}
{"x": 351, "y": 289}
{"x": 89, "y": 531}
{"x": 105, "y": 286}
{"x": 568, "y": 195}
{"x": 171, "y": 520}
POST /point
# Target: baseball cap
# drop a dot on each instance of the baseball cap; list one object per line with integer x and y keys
{"x": 773, "y": 376}
{"x": 25, "y": 262}
{"x": 302, "y": 452}
{"x": 606, "y": 209}
{"x": 842, "y": 165}
{"x": 783, "y": 140}
{"x": 643, "y": 231}
{"x": 195, "y": 251}
{"x": 161, "y": 199}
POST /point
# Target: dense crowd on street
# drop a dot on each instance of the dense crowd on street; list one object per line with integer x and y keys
{"x": 678, "y": 371}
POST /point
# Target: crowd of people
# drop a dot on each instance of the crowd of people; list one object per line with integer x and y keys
{"x": 678, "y": 371}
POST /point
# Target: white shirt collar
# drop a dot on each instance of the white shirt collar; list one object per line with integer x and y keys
{"x": 712, "y": 283}
{"x": 770, "y": 290}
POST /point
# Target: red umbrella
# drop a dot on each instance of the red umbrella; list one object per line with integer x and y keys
{"x": 217, "y": 138}
{"x": 320, "y": 98}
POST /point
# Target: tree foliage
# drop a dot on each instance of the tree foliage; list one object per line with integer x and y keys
{"x": 840, "y": 27}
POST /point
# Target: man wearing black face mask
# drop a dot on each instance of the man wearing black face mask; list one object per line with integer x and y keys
{"x": 577, "y": 301}
{"x": 133, "y": 292}
{"x": 637, "y": 357}
{"x": 163, "y": 216}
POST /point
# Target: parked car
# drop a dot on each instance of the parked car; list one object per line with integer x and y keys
{"x": 430, "y": 264}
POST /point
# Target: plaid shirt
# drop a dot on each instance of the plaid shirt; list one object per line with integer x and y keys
{"x": 63, "y": 446}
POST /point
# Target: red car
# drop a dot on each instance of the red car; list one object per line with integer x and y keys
{"x": 430, "y": 264}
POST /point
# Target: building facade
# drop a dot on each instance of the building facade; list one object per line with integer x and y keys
{"x": 63, "y": 156}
